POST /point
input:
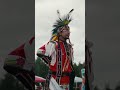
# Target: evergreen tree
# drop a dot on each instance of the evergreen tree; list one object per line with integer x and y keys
{"x": 41, "y": 69}
{"x": 77, "y": 69}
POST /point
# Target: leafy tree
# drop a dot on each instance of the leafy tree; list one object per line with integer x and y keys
{"x": 41, "y": 69}
{"x": 77, "y": 69}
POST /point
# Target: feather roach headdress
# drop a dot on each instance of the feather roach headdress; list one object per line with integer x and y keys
{"x": 61, "y": 22}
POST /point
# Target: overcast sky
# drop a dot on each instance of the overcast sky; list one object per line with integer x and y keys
{"x": 102, "y": 28}
{"x": 45, "y": 16}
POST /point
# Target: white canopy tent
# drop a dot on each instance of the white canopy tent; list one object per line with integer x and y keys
{"x": 54, "y": 85}
{"x": 77, "y": 80}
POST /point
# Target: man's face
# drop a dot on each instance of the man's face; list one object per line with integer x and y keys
{"x": 65, "y": 32}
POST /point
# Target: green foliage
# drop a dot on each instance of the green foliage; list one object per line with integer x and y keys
{"x": 41, "y": 69}
{"x": 77, "y": 69}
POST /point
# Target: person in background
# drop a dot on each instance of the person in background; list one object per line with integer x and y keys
{"x": 89, "y": 76}
{"x": 83, "y": 79}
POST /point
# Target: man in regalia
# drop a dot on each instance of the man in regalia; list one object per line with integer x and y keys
{"x": 58, "y": 54}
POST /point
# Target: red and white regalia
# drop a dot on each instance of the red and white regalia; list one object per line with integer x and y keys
{"x": 59, "y": 57}
{"x": 58, "y": 54}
